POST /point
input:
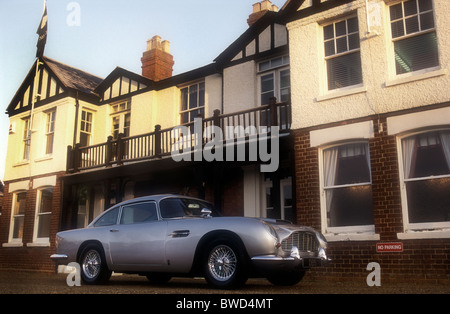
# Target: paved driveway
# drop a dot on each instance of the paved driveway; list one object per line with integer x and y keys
{"x": 12, "y": 282}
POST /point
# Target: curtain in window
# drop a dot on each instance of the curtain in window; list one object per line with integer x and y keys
{"x": 408, "y": 148}
{"x": 330, "y": 157}
{"x": 445, "y": 141}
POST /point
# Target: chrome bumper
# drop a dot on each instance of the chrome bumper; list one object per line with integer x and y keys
{"x": 58, "y": 257}
{"x": 293, "y": 261}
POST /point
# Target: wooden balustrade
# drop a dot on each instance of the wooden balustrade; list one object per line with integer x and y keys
{"x": 159, "y": 143}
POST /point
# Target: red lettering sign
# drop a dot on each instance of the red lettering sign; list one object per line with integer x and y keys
{"x": 390, "y": 247}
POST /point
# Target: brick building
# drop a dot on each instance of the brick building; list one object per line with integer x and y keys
{"x": 363, "y": 111}
{"x": 372, "y": 132}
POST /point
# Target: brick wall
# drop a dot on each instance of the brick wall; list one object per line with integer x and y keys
{"x": 421, "y": 260}
{"x": 27, "y": 257}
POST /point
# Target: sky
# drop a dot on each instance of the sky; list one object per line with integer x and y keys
{"x": 96, "y": 36}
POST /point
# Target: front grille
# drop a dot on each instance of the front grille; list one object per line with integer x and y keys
{"x": 304, "y": 241}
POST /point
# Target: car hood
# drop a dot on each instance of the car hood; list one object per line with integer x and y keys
{"x": 284, "y": 228}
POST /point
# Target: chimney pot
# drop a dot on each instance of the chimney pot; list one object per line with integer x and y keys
{"x": 157, "y": 62}
{"x": 259, "y": 9}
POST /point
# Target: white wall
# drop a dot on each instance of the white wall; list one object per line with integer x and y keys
{"x": 382, "y": 90}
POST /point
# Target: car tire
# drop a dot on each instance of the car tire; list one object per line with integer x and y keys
{"x": 93, "y": 265}
{"x": 224, "y": 265}
{"x": 286, "y": 279}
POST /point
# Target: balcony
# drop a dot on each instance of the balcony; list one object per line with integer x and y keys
{"x": 160, "y": 143}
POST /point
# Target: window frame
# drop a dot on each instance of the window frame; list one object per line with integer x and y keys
{"x": 199, "y": 108}
{"x": 358, "y": 232}
{"x": 123, "y": 114}
{"x": 327, "y": 58}
{"x": 50, "y": 131}
{"x": 405, "y": 36}
{"x": 11, "y": 238}
{"x": 38, "y": 215}
{"x": 86, "y": 122}
{"x": 407, "y": 225}
{"x": 124, "y": 207}
{"x": 26, "y": 139}
{"x": 275, "y": 70}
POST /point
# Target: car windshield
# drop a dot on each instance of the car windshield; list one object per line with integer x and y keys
{"x": 184, "y": 207}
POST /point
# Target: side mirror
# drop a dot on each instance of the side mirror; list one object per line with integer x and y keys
{"x": 206, "y": 213}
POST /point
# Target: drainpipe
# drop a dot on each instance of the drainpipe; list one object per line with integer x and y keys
{"x": 75, "y": 128}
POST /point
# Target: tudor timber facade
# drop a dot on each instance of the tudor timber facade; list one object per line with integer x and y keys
{"x": 363, "y": 109}
{"x": 105, "y": 144}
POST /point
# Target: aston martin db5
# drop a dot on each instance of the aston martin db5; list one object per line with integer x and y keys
{"x": 169, "y": 235}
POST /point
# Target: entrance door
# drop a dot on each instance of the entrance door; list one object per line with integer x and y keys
{"x": 278, "y": 199}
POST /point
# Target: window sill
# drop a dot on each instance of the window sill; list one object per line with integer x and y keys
{"x": 357, "y": 89}
{"x": 38, "y": 244}
{"x": 437, "y": 234}
{"x": 340, "y": 237}
{"x": 13, "y": 244}
{"x": 22, "y": 163}
{"x": 416, "y": 76}
{"x": 45, "y": 158}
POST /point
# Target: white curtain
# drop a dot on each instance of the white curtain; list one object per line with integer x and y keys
{"x": 445, "y": 141}
{"x": 408, "y": 148}
{"x": 330, "y": 157}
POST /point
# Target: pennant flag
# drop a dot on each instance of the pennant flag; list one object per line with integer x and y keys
{"x": 42, "y": 32}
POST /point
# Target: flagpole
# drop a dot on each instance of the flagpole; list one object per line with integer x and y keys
{"x": 35, "y": 96}
{"x": 39, "y": 54}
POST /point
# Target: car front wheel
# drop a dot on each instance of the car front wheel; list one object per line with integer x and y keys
{"x": 93, "y": 265}
{"x": 224, "y": 266}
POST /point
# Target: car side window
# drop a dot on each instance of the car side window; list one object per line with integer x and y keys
{"x": 138, "y": 213}
{"x": 171, "y": 208}
{"x": 108, "y": 219}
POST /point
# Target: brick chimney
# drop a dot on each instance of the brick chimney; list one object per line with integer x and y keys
{"x": 259, "y": 9}
{"x": 157, "y": 62}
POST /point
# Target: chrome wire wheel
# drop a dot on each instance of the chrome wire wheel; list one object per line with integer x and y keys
{"x": 222, "y": 263}
{"x": 92, "y": 264}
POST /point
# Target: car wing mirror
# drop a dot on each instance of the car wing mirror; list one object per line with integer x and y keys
{"x": 206, "y": 213}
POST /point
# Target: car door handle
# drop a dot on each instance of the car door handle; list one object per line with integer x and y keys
{"x": 114, "y": 230}
{"x": 180, "y": 234}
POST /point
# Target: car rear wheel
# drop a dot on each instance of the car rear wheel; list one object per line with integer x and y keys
{"x": 224, "y": 265}
{"x": 93, "y": 265}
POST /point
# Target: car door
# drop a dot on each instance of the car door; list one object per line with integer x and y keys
{"x": 137, "y": 242}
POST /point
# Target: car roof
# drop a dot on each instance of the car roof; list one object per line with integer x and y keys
{"x": 155, "y": 198}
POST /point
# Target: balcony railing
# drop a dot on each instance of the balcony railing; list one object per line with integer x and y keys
{"x": 160, "y": 142}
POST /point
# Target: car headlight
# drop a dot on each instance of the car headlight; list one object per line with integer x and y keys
{"x": 271, "y": 230}
{"x": 323, "y": 242}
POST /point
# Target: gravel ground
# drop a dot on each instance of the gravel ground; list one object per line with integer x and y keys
{"x": 13, "y": 282}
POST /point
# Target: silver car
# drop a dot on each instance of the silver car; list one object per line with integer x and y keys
{"x": 170, "y": 235}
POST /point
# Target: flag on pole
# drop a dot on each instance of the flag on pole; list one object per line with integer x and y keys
{"x": 42, "y": 32}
